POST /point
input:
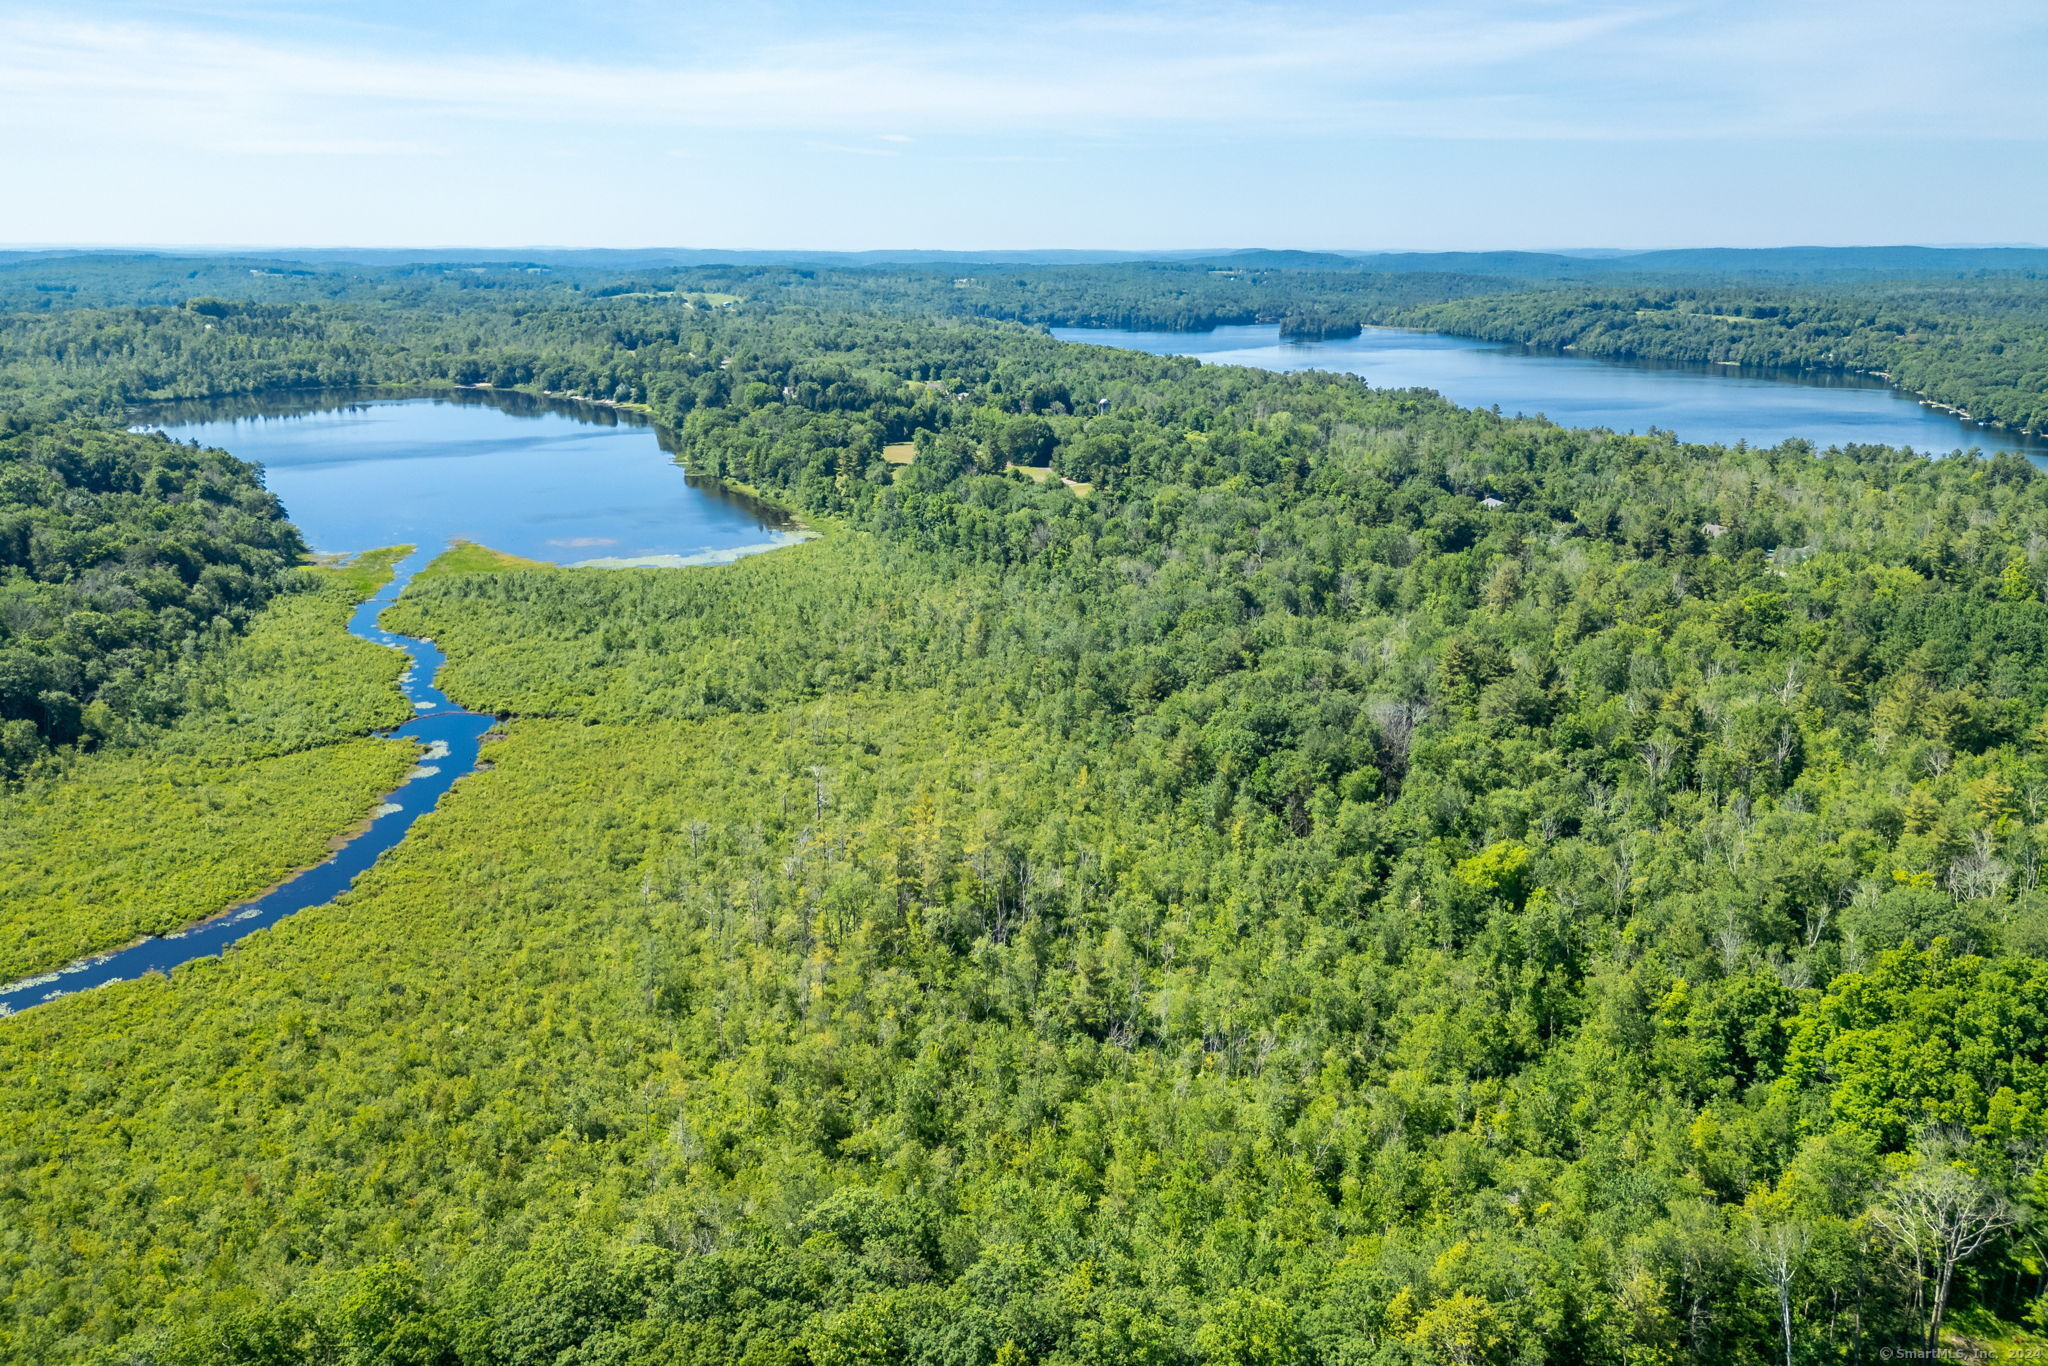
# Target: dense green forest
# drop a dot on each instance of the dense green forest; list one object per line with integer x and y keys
{"x": 119, "y": 555}
{"x": 113, "y": 331}
{"x": 1369, "y": 882}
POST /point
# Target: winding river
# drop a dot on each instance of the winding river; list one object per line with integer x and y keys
{"x": 570, "y": 483}
{"x": 449, "y": 740}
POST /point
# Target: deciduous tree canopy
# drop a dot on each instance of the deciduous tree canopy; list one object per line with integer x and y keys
{"x": 1360, "y": 881}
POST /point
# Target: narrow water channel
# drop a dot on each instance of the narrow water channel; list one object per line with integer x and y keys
{"x": 449, "y": 740}
{"x": 570, "y": 483}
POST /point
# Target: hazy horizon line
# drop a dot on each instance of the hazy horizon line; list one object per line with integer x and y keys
{"x": 226, "y": 248}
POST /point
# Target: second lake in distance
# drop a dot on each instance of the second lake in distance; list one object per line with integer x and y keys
{"x": 1705, "y": 403}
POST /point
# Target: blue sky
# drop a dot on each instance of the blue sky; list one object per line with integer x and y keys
{"x": 1423, "y": 124}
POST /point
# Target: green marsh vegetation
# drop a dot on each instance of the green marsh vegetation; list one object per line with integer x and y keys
{"x": 269, "y": 758}
{"x": 182, "y": 715}
{"x": 1277, "y": 909}
{"x": 467, "y": 557}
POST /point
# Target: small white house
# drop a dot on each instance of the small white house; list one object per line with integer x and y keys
{"x": 1490, "y": 503}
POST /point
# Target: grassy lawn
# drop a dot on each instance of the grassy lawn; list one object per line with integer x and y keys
{"x": 1041, "y": 474}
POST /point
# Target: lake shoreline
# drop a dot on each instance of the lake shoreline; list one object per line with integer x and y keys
{"x": 478, "y": 454}
{"x": 1697, "y": 402}
{"x": 1788, "y": 373}
{"x": 536, "y": 476}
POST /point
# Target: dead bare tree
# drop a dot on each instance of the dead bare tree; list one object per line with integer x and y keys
{"x": 1939, "y": 1216}
{"x": 1776, "y": 1247}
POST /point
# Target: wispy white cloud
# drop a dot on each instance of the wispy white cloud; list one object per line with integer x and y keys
{"x": 328, "y": 147}
{"x": 845, "y": 149}
{"x": 1491, "y": 69}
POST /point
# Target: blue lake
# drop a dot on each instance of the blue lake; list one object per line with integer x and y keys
{"x": 575, "y": 484}
{"x": 570, "y": 483}
{"x": 1698, "y": 402}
